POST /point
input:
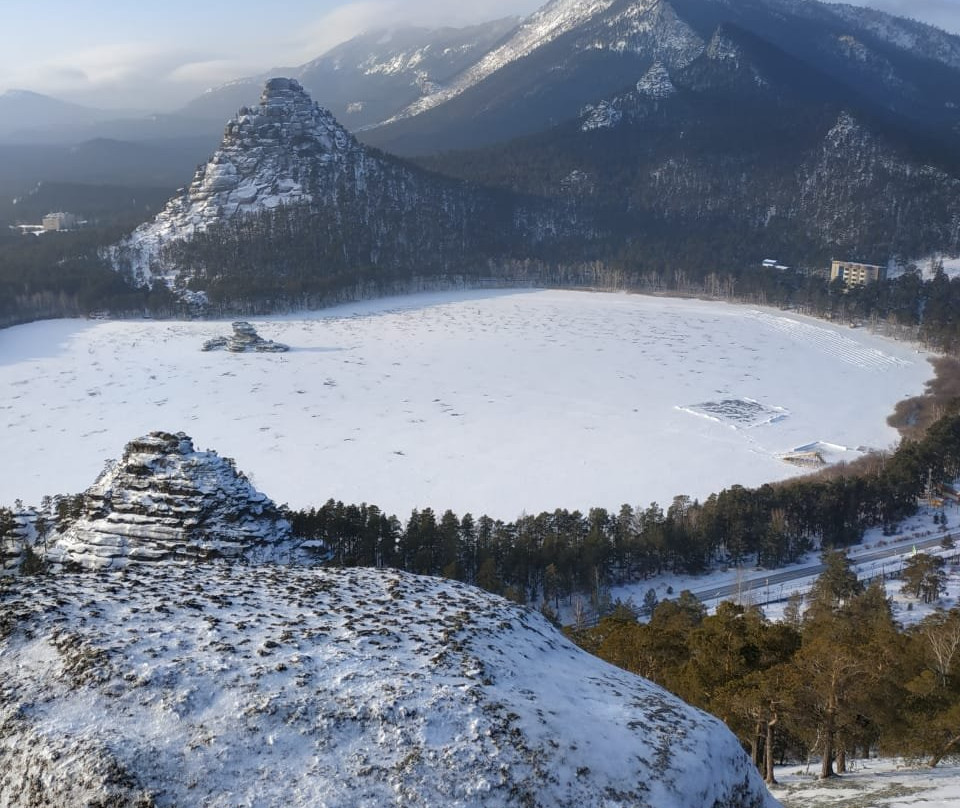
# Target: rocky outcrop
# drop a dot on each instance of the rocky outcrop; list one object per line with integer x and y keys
{"x": 165, "y": 500}
{"x": 271, "y": 156}
{"x": 656, "y": 83}
{"x": 244, "y": 338}
{"x": 223, "y": 684}
{"x": 291, "y": 204}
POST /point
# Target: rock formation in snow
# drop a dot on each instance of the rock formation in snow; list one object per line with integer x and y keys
{"x": 166, "y": 500}
{"x": 656, "y": 82}
{"x": 225, "y": 684}
{"x": 244, "y": 338}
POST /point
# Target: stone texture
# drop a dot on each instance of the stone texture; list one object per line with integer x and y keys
{"x": 244, "y": 338}
{"x": 279, "y": 153}
{"x": 166, "y": 500}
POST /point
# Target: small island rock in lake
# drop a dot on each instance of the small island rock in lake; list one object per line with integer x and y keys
{"x": 244, "y": 338}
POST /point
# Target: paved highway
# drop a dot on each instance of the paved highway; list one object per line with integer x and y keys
{"x": 773, "y": 583}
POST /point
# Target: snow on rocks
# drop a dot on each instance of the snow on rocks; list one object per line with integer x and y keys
{"x": 165, "y": 500}
{"x": 244, "y": 338}
{"x": 656, "y": 83}
{"x": 222, "y": 684}
{"x": 275, "y": 154}
{"x": 605, "y": 115}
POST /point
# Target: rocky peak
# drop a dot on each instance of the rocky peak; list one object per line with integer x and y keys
{"x": 281, "y": 152}
{"x": 289, "y": 119}
{"x": 656, "y": 82}
{"x": 165, "y": 500}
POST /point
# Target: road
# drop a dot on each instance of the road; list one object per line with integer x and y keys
{"x": 768, "y": 581}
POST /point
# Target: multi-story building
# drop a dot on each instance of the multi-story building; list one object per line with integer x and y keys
{"x": 59, "y": 221}
{"x": 854, "y": 273}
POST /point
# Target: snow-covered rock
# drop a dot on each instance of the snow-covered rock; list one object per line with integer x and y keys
{"x": 655, "y": 85}
{"x": 604, "y": 115}
{"x": 165, "y": 500}
{"x": 656, "y": 82}
{"x": 223, "y": 684}
{"x": 276, "y": 154}
{"x": 243, "y": 339}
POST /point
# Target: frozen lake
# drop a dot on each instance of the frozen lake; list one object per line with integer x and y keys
{"x": 488, "y": 402}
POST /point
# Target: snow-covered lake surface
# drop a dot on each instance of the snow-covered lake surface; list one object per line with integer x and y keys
{"x": 488, "y": 402}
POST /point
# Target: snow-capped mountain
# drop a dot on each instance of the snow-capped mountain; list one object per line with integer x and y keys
{"x": 263, "y": 162}
{"x": 165, "y": 500}
{"x": 226, "y": 684}
{"x": 546, "y": 71}
{"x": 745, "y": 139}
{"x": 371, "y": 77}
{"x": 646, "y": 25}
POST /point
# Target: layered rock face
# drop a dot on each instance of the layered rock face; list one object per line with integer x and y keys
{"x": 245, "y": 338}
{"x": 165, "y": 500}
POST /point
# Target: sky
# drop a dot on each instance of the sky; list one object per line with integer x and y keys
{"x": 157, "y": 56}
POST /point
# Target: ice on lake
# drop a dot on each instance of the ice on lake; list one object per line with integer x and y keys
{"x": 488, "y": 402}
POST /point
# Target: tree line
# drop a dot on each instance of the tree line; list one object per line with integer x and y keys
{"x": 836, "y": 679}
{"x": 66, "y": 275}
{"x": 552, "y": 555}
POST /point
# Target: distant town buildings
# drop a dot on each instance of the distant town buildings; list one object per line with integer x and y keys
{"x": 51, "y": 223}
{"x": 853, "y": 273}
{"x": 60, "y": 221}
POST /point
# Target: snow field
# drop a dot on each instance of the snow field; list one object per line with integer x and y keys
{"x": 488, "y": 402}
{"x": 886, "y": 782}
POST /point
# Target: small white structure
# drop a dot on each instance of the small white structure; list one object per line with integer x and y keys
{"x": 60, "y": 221}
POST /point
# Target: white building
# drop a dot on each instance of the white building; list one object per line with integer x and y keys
{"x": 60, "y": 221}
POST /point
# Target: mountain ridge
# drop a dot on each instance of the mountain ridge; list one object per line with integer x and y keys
{"x": 893, "y": 63}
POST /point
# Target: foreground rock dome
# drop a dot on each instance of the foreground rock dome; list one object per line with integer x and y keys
{"x": 221, "y": 684}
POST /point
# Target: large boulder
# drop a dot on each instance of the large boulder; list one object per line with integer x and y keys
{"x": 225, "y": 684}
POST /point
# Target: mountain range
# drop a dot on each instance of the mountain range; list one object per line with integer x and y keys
{"x": 648, "y": 135}
{"x": 421, "y": 90}
{"x": 573, "y": 53}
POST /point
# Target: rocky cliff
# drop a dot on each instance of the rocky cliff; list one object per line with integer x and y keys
{"x": 164, "y": 500}
{"x": 270, "y": 156}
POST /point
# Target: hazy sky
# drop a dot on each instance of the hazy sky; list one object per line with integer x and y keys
{"x": 157, "y": 55}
